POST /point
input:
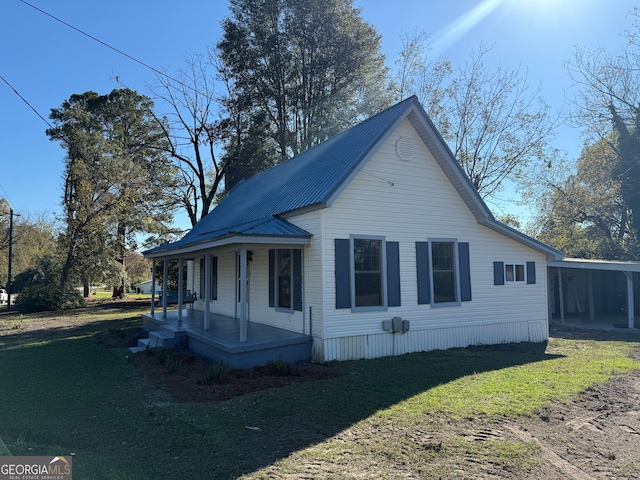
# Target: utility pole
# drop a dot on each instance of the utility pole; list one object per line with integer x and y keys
{"x": 9, "y": 282}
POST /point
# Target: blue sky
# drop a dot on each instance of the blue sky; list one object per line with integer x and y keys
{"x": 46, "y": 61}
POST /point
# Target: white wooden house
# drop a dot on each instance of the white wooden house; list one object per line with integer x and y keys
{"x": 373, "y": 243}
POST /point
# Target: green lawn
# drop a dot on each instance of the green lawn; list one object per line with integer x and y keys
{"x": 62, "y": 393}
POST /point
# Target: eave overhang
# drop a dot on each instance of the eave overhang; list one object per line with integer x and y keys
{"x": 225, "y": 241}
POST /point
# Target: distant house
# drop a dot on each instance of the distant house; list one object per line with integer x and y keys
{"x": 144, "y": 287}
{"x": 373, "y": 243}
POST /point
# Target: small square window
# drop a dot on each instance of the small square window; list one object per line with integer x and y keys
{"x": 519, "y": 273}
{"x": 514, "y": 273}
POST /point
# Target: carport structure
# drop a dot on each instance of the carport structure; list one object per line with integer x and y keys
{"x": 587, "y": 289}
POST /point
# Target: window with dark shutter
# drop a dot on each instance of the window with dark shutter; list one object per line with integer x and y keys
{"x": 498, "y": 273}
{"x": 423, "y": 269}
{"x": 367, "y": 269}
{"x": 343, "y": 273}
{"x": 393, "y": 274}
{"x": 285, "y": 279}
{"x": 214, "y": 278}
{"x": 465, "y": 271}
{"x": 443, "y": 268}
{"x": 531, "y": 273}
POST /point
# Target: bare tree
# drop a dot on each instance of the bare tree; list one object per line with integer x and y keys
{"x": 192, "y": 129}
{"x": 495, "y": 125}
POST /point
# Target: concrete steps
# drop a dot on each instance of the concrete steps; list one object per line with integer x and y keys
{"x": 168, "y": 336}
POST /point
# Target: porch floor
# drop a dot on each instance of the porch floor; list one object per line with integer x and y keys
{"x": 221, "y": 342}
{"x": 606, "y": 322}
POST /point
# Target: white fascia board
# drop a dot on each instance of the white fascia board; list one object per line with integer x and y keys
{"x": 585, "y": 264}
{"x": 223, "y": 242}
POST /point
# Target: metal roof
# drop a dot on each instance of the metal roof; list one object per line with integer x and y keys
{"x": 307, "y": 179}
{"x": 316, "y": 177}
{"x": 592, "y": 264}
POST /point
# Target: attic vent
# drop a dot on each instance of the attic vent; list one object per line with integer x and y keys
{"x": 405, "y": 149}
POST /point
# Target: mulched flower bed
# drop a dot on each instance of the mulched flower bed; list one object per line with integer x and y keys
{"x": 183, "y": 375}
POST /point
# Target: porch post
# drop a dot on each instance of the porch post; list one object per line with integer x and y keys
{"x": 630, "y": 301}
{"x": 592, "y": 313}
{"x": 561, "y": 294}
{"x": 180, "y": 280}
{"x": 207, "y": 290}
{"x": 243, "y": 295}
{"x": 551, "y": 295}
{"x": 153, "y": 286}
{"x": 165, "y": 275}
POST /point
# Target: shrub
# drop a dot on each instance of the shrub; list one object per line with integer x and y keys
{"x": 216, "y": 373}
{"x": 280, "y": 368}
{"x": 173, "y": 364}
{"x": 161, "y": 354}
{"x": 40, "y": 298}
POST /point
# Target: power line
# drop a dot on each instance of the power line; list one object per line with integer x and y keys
{"x": 25, "y": 101}
{"x": 6, "y": 196}
{"x": 130, "y": 57}
{"x": 80, "y": 155}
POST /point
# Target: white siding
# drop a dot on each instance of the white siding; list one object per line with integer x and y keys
{"x": 405, "y": 202}
{"x": 313, "y": 288}
{"x": 225, "y": 304}
{"x": 259, "y": 309}
{"x": 414, "y": 201}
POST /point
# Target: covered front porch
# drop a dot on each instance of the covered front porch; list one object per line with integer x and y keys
{"x": 222, "y": 340}
{"x": 230, "y": 285}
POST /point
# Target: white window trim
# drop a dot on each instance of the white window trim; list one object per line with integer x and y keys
{"x": 383, "y": 273}
{"x": 514, "y": 281}
{"x": 456, "y": 261}
{"x": 213, "y": 281}
{"x": 276, "y": 296}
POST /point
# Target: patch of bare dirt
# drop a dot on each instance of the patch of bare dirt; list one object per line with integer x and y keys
{"x": 595, "y": 435}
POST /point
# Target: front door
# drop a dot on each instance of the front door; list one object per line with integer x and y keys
{"x": 238, "y": 280}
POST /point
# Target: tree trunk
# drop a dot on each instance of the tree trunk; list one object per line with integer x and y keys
{"x": 118, "y": 290}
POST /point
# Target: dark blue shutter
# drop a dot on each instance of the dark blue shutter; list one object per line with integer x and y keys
{"x": 272, "y": 278}
{"x": 297, "y": 280}
{"x": 393, "y": 274}
{"x": 214, "y": 278}
{"x": 343, "y": 273}
{"x": 498, "y": 273}
{"x": 465, "y": 271}
{"x": 531, "y": 273}
{"x": 424, "y": 275}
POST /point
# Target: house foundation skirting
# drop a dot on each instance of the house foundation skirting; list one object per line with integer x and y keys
{"x": 389, "y": 344}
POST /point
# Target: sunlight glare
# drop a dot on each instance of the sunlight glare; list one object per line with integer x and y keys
{"x": 451, "y": 33}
